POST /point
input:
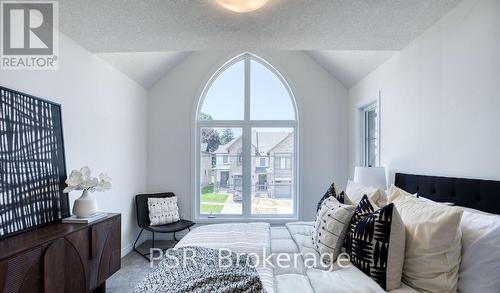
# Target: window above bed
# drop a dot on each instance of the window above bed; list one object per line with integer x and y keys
{"x": 246, "y": 138}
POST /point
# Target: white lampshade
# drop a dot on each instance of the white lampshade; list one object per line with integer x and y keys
{"x": 370, "y": 176}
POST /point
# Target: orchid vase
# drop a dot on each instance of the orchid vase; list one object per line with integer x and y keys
{"x": 85, "y": 206}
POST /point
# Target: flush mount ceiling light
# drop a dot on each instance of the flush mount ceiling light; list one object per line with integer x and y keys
{"x": 242, "y": 6}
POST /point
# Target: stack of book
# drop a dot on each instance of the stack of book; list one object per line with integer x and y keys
{"x": 75, "y": 220}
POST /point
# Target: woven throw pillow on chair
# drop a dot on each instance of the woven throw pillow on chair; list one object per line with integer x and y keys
{"x": 163, "y": 210}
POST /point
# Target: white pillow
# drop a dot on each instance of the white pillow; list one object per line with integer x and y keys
{"x": 480, "y": 266}
{"x": 425, "y": 199}
{"x": 355, "y": 191}
{"x": 433, "y": 243}
{"x": 331, "y": 227}
{"x": 398, "y": 191}
{"x": 163, "y": 210}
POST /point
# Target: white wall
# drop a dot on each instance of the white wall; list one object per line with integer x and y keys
{"x": 104, "y": 121}
{"x": 440, "y": 98}
{"x": 322, "y": 102}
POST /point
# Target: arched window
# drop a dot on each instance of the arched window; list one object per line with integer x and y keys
{"x": 246, "y": 136}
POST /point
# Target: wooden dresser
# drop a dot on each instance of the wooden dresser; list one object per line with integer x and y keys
{"x": 56, "y": 258}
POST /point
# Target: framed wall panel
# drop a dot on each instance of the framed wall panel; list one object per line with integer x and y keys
{"x": 32, "y": 163}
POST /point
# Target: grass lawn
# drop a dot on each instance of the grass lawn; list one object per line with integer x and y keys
{"x": 208, "y": 189}
{"x": 208, "y": 195}
{"x": 211, "y": 209}
{"x": 214, "y": 197}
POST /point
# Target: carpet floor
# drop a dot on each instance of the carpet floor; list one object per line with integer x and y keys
{"x": 134, "y": 269}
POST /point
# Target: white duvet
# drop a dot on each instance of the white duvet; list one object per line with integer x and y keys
{"x": 260, "y": 238}
{"x": 239, "y": 238}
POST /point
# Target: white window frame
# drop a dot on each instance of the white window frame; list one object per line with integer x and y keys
{"x": 246, "y": 125}
{"x": 374, "y": 105}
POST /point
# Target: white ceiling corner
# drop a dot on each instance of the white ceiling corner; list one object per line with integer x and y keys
{"x": 146, "y": 68}
{"x": 349, "y": 67}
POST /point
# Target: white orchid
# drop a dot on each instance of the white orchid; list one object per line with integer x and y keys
{"x": 104, "y": 182}
{"x": 83, "y": 180}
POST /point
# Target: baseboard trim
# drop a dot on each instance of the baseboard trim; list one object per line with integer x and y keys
{"x": 130, "y": 247}
{"x": 127, "y": 249}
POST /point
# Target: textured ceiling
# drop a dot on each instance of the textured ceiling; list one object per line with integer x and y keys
{"x": 349, "y": 67}
{"x": 144, "y": 67}
{"x": 185, "y": 25}
{"x": 148, "y": 38}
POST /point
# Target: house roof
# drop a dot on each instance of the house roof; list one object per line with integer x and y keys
{"x": 289, "y": 134}
{"x": 263, "y": 142}
{"x": 224, "y": 148}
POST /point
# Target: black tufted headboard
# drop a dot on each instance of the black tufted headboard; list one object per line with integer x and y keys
{"x": 478, "y": 194}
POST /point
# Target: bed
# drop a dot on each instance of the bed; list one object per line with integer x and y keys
{"x": 295, "y": 239}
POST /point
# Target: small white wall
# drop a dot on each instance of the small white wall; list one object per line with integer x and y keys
{"x": 104, "y": 124}
{"x": 322, "y": 102}
{"x": 440, "y": 99}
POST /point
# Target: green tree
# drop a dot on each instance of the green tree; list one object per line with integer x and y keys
{"x": 226, "y": 136}
{"x": 205, "y": 116}
{"x": 209, "y": 136}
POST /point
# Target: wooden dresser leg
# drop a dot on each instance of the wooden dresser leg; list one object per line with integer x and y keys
{"x": 100, "y": 289}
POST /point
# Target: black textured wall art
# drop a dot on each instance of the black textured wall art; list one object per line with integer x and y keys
{"x": 32, "y": 163}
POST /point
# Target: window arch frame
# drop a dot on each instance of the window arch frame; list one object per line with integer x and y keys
{"x": 246, "y": 124}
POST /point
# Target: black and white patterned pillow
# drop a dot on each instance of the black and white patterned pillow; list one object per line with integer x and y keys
{"x": 163, "y": 210}
{"x": 375, "y": 243}
{"x": 330, "y": 228}
{"x": 341, "y": 197}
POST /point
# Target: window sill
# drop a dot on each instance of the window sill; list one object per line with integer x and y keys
{"x": 222, "y": 220}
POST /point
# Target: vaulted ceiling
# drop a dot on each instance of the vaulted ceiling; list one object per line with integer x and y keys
{"x": 349, "y": 67}
{"x": 361, "y": 26}
{"x": 146, "y": 68}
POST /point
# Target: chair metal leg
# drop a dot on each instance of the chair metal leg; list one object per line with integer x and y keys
{"x": 153, "y": 244}
{"x": 137, "y": 239}
{"x": 135, "y": 248}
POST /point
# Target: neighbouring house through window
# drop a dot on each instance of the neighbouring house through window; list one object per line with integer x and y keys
{"x": 283, "y": 162}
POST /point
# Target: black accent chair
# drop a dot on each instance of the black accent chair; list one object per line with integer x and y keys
{"x": 142, "y": 209}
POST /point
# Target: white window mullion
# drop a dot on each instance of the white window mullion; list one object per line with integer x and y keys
{"x": 247, "y": 147}
{"x": 247, "y": 88}
{"x": 247, "y": 172}
{"x": 236, "y": 123}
